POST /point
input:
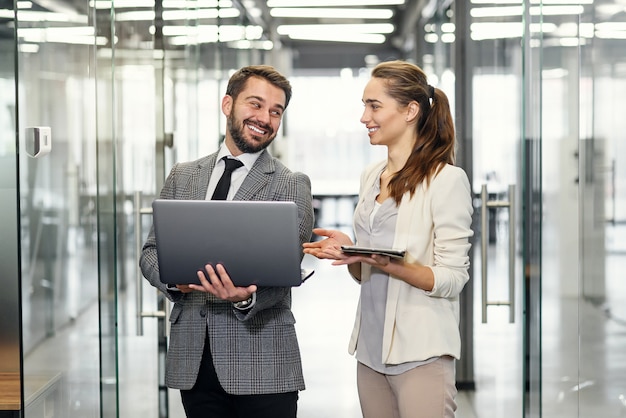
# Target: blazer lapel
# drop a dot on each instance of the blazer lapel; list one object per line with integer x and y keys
{"x": 199, "y": 179}
{"x": 257, "y": 179}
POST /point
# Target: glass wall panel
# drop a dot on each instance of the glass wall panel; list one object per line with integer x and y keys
{"x": 57, "y": 210}
{"x": 577, "y": 333}
{"x": 495, "y": 53}
{"x": 10, "y": 323}
{"x": 602, "y": 173}
{"x": 134, "y": 127}
{"x": 163, "y": 83}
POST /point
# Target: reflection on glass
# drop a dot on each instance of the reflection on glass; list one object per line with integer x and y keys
{"x": 57, "y": 211}
{"x": 10, "y": 344}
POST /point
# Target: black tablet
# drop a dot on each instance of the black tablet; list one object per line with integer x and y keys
{"x": 389, "y": 252}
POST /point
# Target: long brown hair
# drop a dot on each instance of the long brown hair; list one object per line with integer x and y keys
{"x": 435, "y": 137}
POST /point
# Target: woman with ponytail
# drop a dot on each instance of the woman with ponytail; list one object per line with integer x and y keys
{"x": 406, "y": 335}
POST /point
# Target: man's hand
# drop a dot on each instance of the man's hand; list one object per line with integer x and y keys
{"x": 220, "y": 285}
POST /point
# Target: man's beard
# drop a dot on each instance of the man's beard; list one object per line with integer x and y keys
{"x": 237, "y": 133}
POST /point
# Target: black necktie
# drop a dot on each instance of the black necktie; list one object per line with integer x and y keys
{"x": 221, "y": 191}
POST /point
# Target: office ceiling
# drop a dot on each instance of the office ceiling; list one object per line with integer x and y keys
{"x": 190, "y": 23}
{"x": 134, "y": 27}
{"x": 317, "y": 53}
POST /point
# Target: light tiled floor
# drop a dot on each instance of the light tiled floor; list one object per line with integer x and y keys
{"x": 575, "y": 332}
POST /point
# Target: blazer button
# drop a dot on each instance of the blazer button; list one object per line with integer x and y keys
{"x": 203, "y": 312}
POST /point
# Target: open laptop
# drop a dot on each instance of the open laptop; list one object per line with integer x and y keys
{"x": 256, "y": 241}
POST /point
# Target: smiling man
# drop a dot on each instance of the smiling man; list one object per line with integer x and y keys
{"x": 233, "y": 351}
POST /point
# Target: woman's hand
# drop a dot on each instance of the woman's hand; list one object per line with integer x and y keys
{"x": 330, "y": 247}
{"x": 375, "y": 260}
{"x": 220, "y": 285}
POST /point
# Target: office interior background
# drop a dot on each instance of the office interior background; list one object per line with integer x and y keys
{"x": 99, "y": 99}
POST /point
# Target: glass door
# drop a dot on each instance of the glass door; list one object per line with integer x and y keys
{"x": 500, "y": 72}
{"x": 538, "y": 88}
{"x": 492, "y": 54}
{"x": 583, "y": 252}
{"x": 166, "y": 73}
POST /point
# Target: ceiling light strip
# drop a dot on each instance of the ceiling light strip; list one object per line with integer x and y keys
{"x": 328, "y": 28}
{"x": 331, "y": 13}
{"x": 333, "y": 3}
{"x": 362, "y": 38}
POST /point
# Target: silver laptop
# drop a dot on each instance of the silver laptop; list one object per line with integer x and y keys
{"x": 256, "y": 241}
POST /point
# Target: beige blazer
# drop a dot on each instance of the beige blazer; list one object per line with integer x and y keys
{"x": 434, "y": 227}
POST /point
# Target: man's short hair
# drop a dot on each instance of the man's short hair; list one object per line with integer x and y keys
{"x": 238, "y": 80}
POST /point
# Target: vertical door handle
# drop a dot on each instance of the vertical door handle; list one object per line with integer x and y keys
{"x": 486, "y": 204}
{"x": 141, "y": 314}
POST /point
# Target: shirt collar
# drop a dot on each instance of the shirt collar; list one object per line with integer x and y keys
{"x": 247, "y": 159}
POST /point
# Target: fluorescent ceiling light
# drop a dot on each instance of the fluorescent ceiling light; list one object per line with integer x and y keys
{"x": 448, "y": 38}
{"x": 200, "y": 14}
{"x": 362, "y": 38}
{"x": 611, "y": 30}
{"x": 613, "y": 26}
{"x": 34, "y": 16}
{"x": 134, "y": 16}
{"x": 571, "y": 42}
{"x": 245, "y": 44}
{"x": 534, "y": 11}
{"x": 197, "y": 4}
{"x": 554, "y": 73}
{"x": 586, "y": 30}
{"x": 571, "y": 29}
{"x": 167, "y": 4}
{"x": 189, "y": 4}
{"x": 562, "y": 1}
{"x": 431, "y": 38}
{"x": 496, "y": 11}
{"x": 29, "y": 48}
{"x": 177, "y": 14}
{"x": 82, "y": 35}
{"x": 360, "y": 33}
{"x": 496, "y": 2}
{"x": 335, "y": 3}
{"x": 188, "y": 30}
{"x": 333, "y": 13}
{"x": 496, "y": 30}
{"x": 66, "y": 31}
{"x": 502, "y": 30}
{"x": 253, "y": 32}
{"x": 124, "y": 4}
{"x": 192, "y": 40}
{"x": 544, "y": 2}
{"x": 323, "y": 28}
{"x": 557, "y": 10}
{"x": 606, "y": 34}
{"x": 448, "y": 27}
{"x": 209, "y": 33}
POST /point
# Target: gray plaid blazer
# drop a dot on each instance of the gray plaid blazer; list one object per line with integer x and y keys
{"x": 254, "y": 352}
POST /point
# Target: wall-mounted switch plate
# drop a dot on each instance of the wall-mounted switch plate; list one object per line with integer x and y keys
{"x": 38, "y": 140}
